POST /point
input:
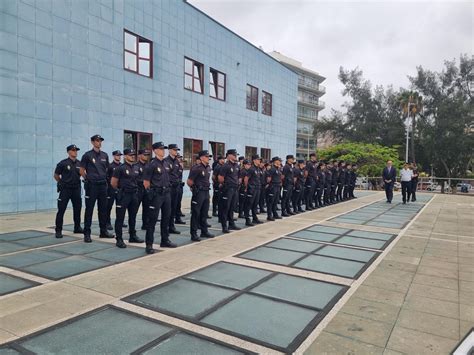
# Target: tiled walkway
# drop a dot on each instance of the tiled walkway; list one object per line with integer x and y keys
{"x": 359, "y": 277}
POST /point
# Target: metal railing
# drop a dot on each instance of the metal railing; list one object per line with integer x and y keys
{"x": 464, "y": 186}
{"x": 311, "y": 85}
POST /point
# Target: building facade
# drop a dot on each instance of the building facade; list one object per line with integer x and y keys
{"x": 310, "y": 91}
{"x": 135, "y": 72}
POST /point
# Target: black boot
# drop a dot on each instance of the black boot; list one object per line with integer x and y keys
{"x": 78, "y": 230}
{"x": 87, "y": 238}
{"x": 149, "y": 249}
{"x": 207, "y": 235}
{"x": 124, "y": 225}
{"x": 234, "y": 227}
{"x": 109, "y": 227}
{"x": 256, "y": 221}
{"x": 134, "y": 238}
{"x": 106, "y": 234}
{"x": 269, "y": 218}
{"x": 276, "y": 216}
{"x": 194, "y": 237}
{"x": 167, "y": 244}
{"x": 179, "y": 221}
{"x": 225, "y": 229}
{"x": 120, "y": 244}
{"x": 284, "y": 214}
{"x": 174, "y": 231}
{"x": 248, "y": 222}
{"x": 59, "y": 234}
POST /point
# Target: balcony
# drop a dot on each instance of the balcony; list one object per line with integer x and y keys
{"x": 311, "y": 85}
{"x": 304, "y": 132}
{"x": 318, "y": 104}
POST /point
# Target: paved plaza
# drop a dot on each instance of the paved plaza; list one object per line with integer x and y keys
{"x": 359, "y": 277}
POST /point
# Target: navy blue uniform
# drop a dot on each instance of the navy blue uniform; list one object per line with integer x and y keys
{"x": 200, "y": 175}
{"x": 288, "y": 184}
{"x": 228, "y": 193}
{"x": 272, "y": 191}
{"x": 111, "y": 192}
{"x": 175, "y": 182}
{"x": 142, "y": 200}
{"x": 69, "y": 188}
{"x": 252, "y": 191}
{"x": 215, "y": 187}
{"x": 298, "y": 190}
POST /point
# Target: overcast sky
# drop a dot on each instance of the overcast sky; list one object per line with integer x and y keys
{"x": 387, "y": 40}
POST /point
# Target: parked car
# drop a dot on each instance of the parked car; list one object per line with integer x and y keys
{"x": 463, "y": 187}
{"x": 362, "y": 183}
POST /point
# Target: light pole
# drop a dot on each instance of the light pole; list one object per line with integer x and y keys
{"x": 407, "y": 128}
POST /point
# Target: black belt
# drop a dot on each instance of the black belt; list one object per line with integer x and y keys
{"x": 97, "y": 182}
{"x": 72, "y": 187}
{"x": 161, "y": 189}
{"x": 130, "y": 191}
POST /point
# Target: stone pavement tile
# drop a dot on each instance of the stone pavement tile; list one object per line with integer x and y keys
{"x": 362, "y": 329}
{"x": 396, "y": 275}
{"x": 411, "y": 341}
{"x": 438, "y": 272}
{"x": 466, "y": 312}
{"x": 466, "y": 297}
{"x": 436, "y": 281}
{"x": 464, "y": 328}
{"x": 403, "y": 258}
{"x": 391, "y": 352}
{"x": 441, "y": 252}
{"x": 388, "y": 283}
{"x": 378, "y": 311}
{"x": 328, "y": 343}
{"x": 380, "y": 295}
{"x": 438, "y": 264}
{"x": 397, "y": 265}
{"x": 429, "y": 323}
{"x": 432, "y": 306}
{"x": 466, "y": 261}
{"x": 466, "y": 286}
{"x": 6, "y": 336}
{"x": 467, "y": 268}
{"x": 439, "y": 293}
{"x": 438, "y": 244}
{"x": 406, "y": 252}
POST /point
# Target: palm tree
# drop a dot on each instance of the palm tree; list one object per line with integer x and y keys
{"x": 411, "y": 104}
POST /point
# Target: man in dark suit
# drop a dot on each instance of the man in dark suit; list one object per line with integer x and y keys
{"x": 389, "y": 176}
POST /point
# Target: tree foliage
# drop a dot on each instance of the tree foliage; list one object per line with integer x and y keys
{"x": 371, "y": 158}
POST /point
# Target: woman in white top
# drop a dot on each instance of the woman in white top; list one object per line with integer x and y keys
{"x": 406, "y": 175}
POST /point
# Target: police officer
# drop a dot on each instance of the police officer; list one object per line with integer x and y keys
{"x": 242, "y": 189}
{"x": 334, "y": 174}
{"x": 94, "y": 164}
{"x": 272, "y": 189}
{"x": 251, "y": 183}
{"x": 157, "y": 185}
{"x": 67, "y": 175}
{"x": 347, "y": 182}
{"x": 179, "y": 214}
{"x": 198, "y": 182}
{"x": 327, "y": 184}
{"x": 299, "y": 186}
{"x": 124, "y": 181}
{"x": 143, "y": 156}
{"x": 320, "y": 182}
{"x": 173, "y": 164}
{"x": 228, "y": 185}
{"x": 310, "y": 182}
{"x": 341, "y": 178}
{"x": 353, "y": 181}
{"x": 111, "y": 192}
{"x": 263, "y": 182}
{"x": 288, "y": 182}
{"x": 215, "y": 183}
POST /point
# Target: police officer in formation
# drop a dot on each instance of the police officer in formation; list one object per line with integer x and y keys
{"x": 156, "y": 181}
{"x": 199, "y": 183}
{"x": 125, "y": 182}
{"x": 228, "y": 179}
{"x": 94, "y": 165}
{"x": 247, "y": 187}
{"x": 68, "y": 178}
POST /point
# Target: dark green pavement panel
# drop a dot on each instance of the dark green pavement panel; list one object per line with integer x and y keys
{"x": 326, "y": 229}
{"x": 182, "y": 343}
{"x": 7, "y": 247}
{"x": 230, "y": 275}
{"x": 295, "y": 289}
{"x": 107, "y": 331}
{"x": 361, "y": 242}
{"x": 20, "y": 260}
{"x": 117, "y": 255}
{"x": 45, "y": 241}
{"x": 370, "y": 235}
{"x": 328, "y": 265}
{"x": 81, "y": 248}
{"x": 262, "y": 319}
{"x": 8, "y": 351}
{"x": 346, "y": 253}
{"x": 6, "y": 237}
{"x": 183, "y": 297}
{"x": 318, "y": 236}
{"x": 10, "y": 283}
{"x": 275, "y": 256}
{"x": 65, "y": 267}
{"x": 295, "y": 245}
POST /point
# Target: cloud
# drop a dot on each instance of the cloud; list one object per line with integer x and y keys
{"x": 387, "y": 40}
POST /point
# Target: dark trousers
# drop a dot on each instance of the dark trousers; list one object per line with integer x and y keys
{"x": 159, "y": 200}
{"x": 66, "y": 194}
{"x": 242, "y": 198}
{"x": 95, "y": 192}
{"x": 286, "y": 199}
{"x": 174, "y": 194}
{"x": 179, "y": 198}
{"x": 227, "y": 203}
{"x": 332, "y": 194}
{"x": 251, "y": 202}
{"x": 296, "y": 197}
{"x": 309, "y": 193}
{"x": 389, "y": 191}
{"x": 345, "y": 192}
{"x": 126, "y": 201}
{"x": 215, "y": 199}
{"x": 143, "y": 200}
{"x": 111, "y": 197}
{"x": 340, "y": 186}
{"x": 319, "y": 196}
{"x": 272, "y": 193}
{"x": 327, "y": 192}
{"x": 199, "y": 211}
{"x": 262, "y": 200}
{"x": 406, "y": 190}
{"x": 414, "y": 185}
{"x": 351, "y": 190}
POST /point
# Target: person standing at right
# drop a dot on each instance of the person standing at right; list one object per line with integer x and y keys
{"x": 143, "y": 156}
{"x": 288, "y": 181}
{"x": 228, "y": 179}
{"x": 405, "y": 178}
{"x": 389, "y": 176}
{"x": 273, "y": 189}
{"x": 172, "y": 161}
{"x": 414, "y": 182}
{"x": 94, "y": 164}
{"x": 341, "y": 177}
{"x": 215, "y": 184}
{"x": 252, "y": 182}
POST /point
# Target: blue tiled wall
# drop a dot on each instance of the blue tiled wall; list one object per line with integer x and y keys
{"x": 62, "y": 80}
